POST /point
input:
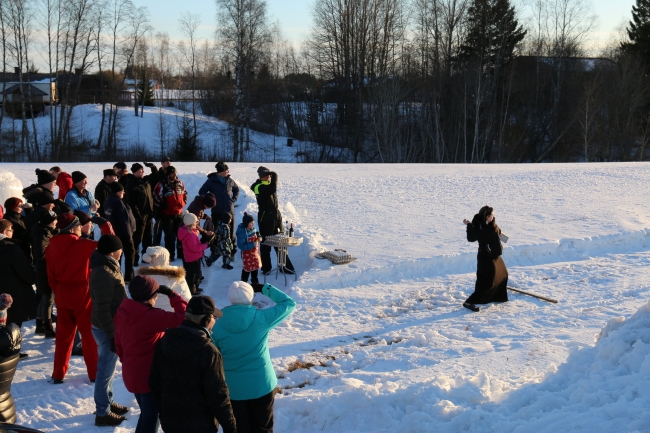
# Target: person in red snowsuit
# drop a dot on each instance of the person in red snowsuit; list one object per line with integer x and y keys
{"x": 67, "y": 258}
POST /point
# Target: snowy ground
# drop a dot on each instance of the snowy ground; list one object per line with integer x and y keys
{"x": 392, "y": 349}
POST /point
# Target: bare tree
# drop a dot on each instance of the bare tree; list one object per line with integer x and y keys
{"x": 189, "y": 23}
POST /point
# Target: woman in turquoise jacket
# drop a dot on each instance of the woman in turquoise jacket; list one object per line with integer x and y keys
{"x": 241, "y": 336}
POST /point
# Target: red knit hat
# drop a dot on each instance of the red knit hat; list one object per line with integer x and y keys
{"x": 66, "y": 222}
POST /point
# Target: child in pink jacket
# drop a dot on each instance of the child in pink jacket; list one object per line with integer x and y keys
{"x": 188, "y": 235}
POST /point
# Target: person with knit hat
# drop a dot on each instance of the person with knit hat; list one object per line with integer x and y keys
{"x": 139, "y": 196}
{"x": 103, "y": 188}
{"x": 79, "y": 198}
{"x": 67, "y": 258}
{"x": 170, "y": 197}
{"x": 158, "y": 268}
{"x": 13, "y": 212}
{"x": 107, "y": 291}
{"x": 18, "y": 276}
{"x": 10, "y": 342}
{"x": 269, "y": 218}
{"x": 139, "y": 325}
{"x": 187, "y": 375}
{"x": 226, "y": 192}
{"x": 193, "y": 249}
{"x": 248, "y": 242}
{"x": 119, "y": 214}
{"x": 42, "y": 232}
{"x": 241, "y": 336}
{"x": 45, "y": 184}
{"x": 122, "y": 172}
{"x": 63, "y": 181}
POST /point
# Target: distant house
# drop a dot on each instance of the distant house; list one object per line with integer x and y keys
{"x": 131, "y": 84}
{"x": 89, "y": 89}
{"x": 14, "y": 97}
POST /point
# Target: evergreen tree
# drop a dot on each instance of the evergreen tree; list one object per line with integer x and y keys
{"x": 639, "y": 31}
{"x": 144, "y": 85}
{"x": 493, "y": 33}
{"x": 186, "y": 146}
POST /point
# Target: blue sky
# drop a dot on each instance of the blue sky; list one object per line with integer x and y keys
{"x": 295, "y": 17}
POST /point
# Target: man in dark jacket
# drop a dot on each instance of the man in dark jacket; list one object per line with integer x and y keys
{"x": 107, "y": 291}
{"x": 226, "y": 192}
{"x": 41, "y": 235}
{"x": 121, "y": 218}
{"x": 121, "y": 172}
{"x": 170, "y": 197}
{"x": 139, "y": 196}
{"x": 13, "y": 212}
{"x": 103, "y": 189}
{"x": 157, "y": 227}
{"x": 269, "y": 217}
{"x": 17, "y": 277}
{"x": 187, "y": 377}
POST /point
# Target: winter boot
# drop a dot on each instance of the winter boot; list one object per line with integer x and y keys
{"x": 111, "y": 420}
{"x": 225, "y": 266}
{"x": 472, "y": 307}
{"x": 213, "y": 258}
{"x": 49, "y": 329}
{"x": 118, "y": 409}
{"x": 40, "y": 329}
{"x": 226, "y": 263}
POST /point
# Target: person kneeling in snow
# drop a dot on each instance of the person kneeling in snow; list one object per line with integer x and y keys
{"x": 242, "y": 337}
{"x": 173, "y": 277}
{"x": 187, "y": 378}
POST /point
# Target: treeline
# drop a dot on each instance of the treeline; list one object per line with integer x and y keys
{"x": 450, "y": 81}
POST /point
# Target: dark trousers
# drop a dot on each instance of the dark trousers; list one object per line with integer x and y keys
{"x": 128, "y": 253}
{"x": 265, "y": 254}
{"x": 157, "y": 231}
{"x": 169, "y": 225}
{"x": 142, "y": 235}
{"x": 216, "y": 217}
{"x": 253, "y": 275}
{"x": 148, "y": 421}
{"x": 254, "y": 416}
{"x": 193, "y": 274}
{"x": 44, "y": 311}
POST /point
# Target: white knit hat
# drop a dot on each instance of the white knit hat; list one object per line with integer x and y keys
{"x": 156, "y": 256}
{"x": 189, "y": 219}
{"x": 240, "y": 293}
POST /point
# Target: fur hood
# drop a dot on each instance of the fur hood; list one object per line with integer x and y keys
{"x": 174, "y": 272}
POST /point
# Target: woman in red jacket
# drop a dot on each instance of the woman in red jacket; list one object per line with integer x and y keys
{"x": 138, "y": 327}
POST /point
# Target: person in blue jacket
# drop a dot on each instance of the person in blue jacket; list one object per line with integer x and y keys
{"x": 79, "y": 198}
{"x": 226, "y": 192}
{"x": 241, "y": 336}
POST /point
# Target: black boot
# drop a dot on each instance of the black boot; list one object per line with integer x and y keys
{"x": 210, "y": 260}
{"x": 49, "y": 329}
{"x": 40, "y": 329}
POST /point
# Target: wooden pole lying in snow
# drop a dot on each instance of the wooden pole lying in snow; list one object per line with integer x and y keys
{"x": 533, "y": 295}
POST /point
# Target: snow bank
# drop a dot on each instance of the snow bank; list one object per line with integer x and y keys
{"x": 10, "y": 186}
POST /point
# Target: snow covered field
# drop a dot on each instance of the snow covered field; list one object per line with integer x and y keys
{"x": 391, "y": 347}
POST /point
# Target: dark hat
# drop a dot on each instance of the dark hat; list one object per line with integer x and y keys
{"x": 43, "y": 198}
{"x": 200, "y": 305}
{"x": 120, "y": 165}
{"x": 226, "y": 217}
{"x": 66, "y": 222}
{"x": 108, "y": 244}
{"x": 209, "y": 200}
{"x": 44, "y": 176}
{"x": 169, "y": 170}
{"x": 221, "y": 166}
{"x": 12, "y": 202}
{"x": 142, "y": 288}
{"x": 109, "y": 172}
{"x": 136, "y": 166}
{"x": 116, "y": 187}
{"x": 263, "y": 171}
{"x": 47, "y": 217}
{"x": 78, "y": 176}
{"x": 84, "y": 218}
{"x": 166, "y": 159}
{"x": 247, "y": 219}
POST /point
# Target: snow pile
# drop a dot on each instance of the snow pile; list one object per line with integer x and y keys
{"x": 10, "y": 186}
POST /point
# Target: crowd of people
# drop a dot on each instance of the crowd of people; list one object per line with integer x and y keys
{"x": 190, "y": 365}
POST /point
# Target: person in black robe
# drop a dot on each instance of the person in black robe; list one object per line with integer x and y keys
{"x": 491, "y": 272}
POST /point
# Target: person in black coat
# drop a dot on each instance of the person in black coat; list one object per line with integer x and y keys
{"x": 13, "y": 210}
{"x": 119, "y": 214}
{"x": 18, "y": 276}
{"x": 139, "y": 196}
{"x": 103, "y": 189}
{"x": 269, "y": 218}
{"x": 165, "y": 162}
{"x": 491, "y": 273}
{"x": 122, "y": 173}
{"x": 226, "y": 193}
{"x": 10, "y": 341}
{"x": 41, "y": 235}
{"x": 187, "y": 377}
